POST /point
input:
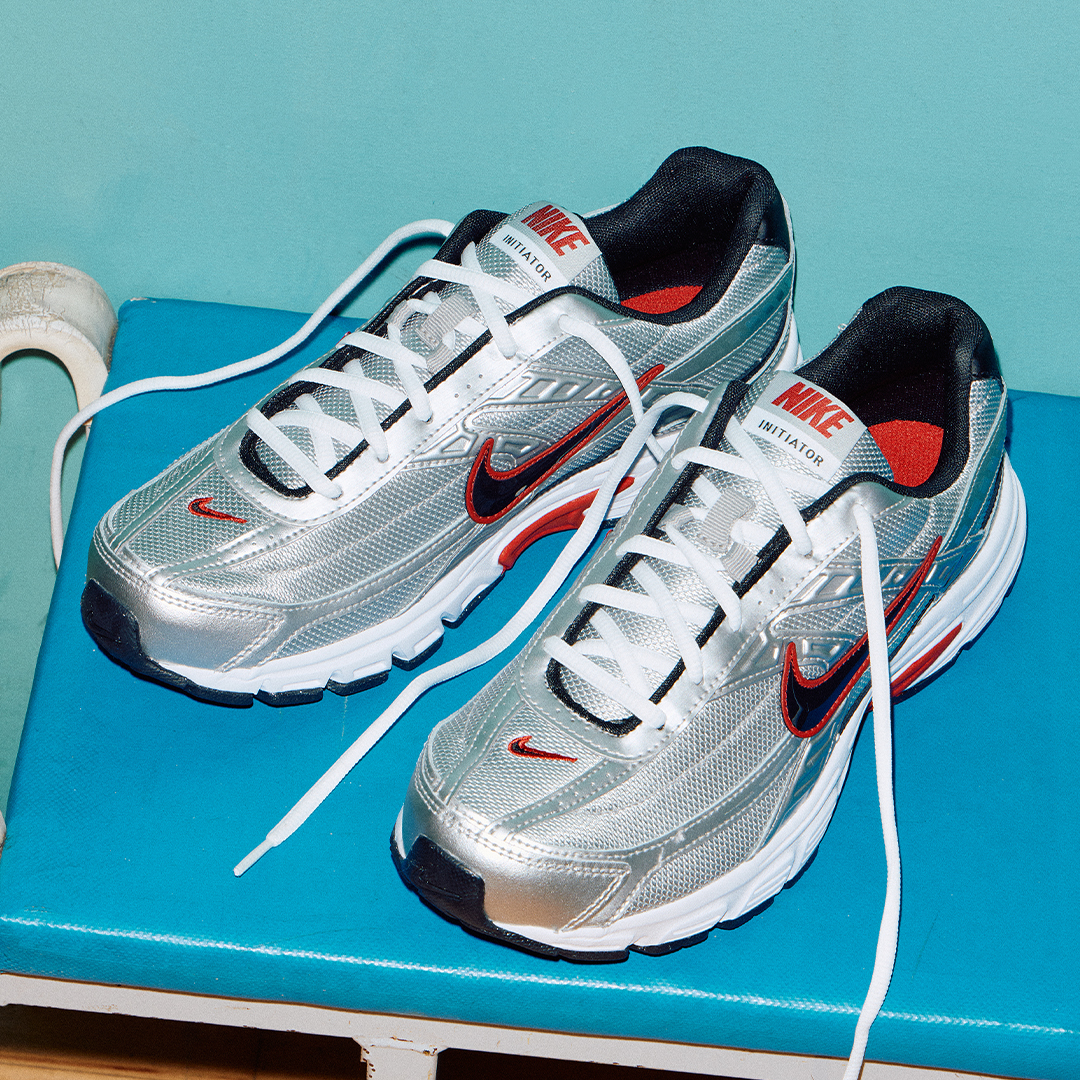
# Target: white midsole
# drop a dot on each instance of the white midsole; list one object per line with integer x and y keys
{"x": 970, "y": 603}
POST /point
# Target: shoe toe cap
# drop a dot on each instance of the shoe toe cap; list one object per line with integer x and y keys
{"x": 131, "y": 614}
{"x": 463, "y": 843}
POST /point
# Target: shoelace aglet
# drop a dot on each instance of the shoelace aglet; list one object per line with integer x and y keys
{"x": 252, "y": 857}
{"x": 313, "y": 798}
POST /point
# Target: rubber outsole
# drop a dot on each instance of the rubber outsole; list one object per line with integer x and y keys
{"x": 454, "y": 892}
{"x": 116, "y": 630}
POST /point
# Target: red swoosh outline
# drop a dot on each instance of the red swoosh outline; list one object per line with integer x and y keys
{"x": 201, "y": 508}
{"x": 540, "y": 466}
{"x": 519, "y": 747}
{"x": 794, "y": 686}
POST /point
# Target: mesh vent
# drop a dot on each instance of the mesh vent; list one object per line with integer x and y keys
{"x": 503, "y": 783}
{"x": 730, "y": 740}
{"x": 903, "y": 532}
{"x": 730, "y": 845}
{"x": 391, "y": 527}
{"x": 596, "y": 279}
{"x": 133, "y": 505}
{"x": 386, "y": 604}
{"x": 453, "y": 737}
{"x": 179, "y": 534}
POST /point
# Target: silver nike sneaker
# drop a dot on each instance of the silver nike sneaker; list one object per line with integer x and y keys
{"x": 668, "y": 750}
{"x": 377, "y": 495}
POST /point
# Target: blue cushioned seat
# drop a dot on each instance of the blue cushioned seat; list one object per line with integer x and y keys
{"x": 131, "y": 803}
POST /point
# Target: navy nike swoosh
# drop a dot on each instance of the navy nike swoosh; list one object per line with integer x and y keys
{"x": 808, "y": 705}
{"x": 489, "y": 493}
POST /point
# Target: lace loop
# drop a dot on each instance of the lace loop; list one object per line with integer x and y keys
{"x": 292, "y": 455}
{"x": 426, "y": 227}
{"x": 726, "y": 596}
{"x": 553, "y": 579}
{"x": 648, "y": 712}
{"x": 680, "y": 617}
{"x": 769, "y": 479}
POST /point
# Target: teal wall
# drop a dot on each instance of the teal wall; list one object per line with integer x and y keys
{"x": 254, "y": 152}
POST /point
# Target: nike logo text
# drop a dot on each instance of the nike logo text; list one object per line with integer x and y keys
{"x": 814, "y": 408}
{"x": 489, "y": 493}
{"x": 808, "y": 705}
{"x": 520, "y": 747}
{"x": 550, "y": 223}
{"x": 201, "y": 508}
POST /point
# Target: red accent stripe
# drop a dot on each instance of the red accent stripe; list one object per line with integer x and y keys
{"x": 893, "y": 614}
{"x": 560, "y": 519}
{"x": 201, "y": 508}
{"x": 520, "y": 748}
{"x": 914, "y": 671}
{"x": 607, "y": 412}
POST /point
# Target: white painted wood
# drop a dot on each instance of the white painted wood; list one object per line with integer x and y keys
{"x": 378, "y": 1031}
{"x": 397, "y": 1060}
{"x": 56, "y": 309}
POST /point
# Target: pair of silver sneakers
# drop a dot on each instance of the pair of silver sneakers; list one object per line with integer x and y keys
{"x": 666, "y": 752}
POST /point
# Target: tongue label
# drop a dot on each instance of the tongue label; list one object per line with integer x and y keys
{"x": 532, "y": 257}
{"x": 550, "y": 244}
{"x": 558, "y": 229}
{"x": 812, "y": 426}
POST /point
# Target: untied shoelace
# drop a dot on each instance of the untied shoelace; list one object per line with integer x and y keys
{"x": 325, "y": 430}
{"x": 656, "y": 600}
{"x": 426, "y": 227}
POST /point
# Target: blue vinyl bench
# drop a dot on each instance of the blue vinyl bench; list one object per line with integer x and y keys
{"x": 131, "y": 803}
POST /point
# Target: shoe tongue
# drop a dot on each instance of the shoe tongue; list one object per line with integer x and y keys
{"x": 544, "y": 247}
{"x": 795, "y": 420}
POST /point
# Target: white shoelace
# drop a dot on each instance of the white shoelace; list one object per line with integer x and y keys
{"x": 328, "y": 432}
{"x": 750, "y": 462}
{"x": 427, "y": 227}
{"x": 640, "y": 438}
{"x": 881, "y": 697}
{"x": 684, "y": 620}
{"x": 632, "y": 691}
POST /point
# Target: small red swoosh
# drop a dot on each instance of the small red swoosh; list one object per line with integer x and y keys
{"x": 520, "y": 747}
{"x": 201, "y": 508}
